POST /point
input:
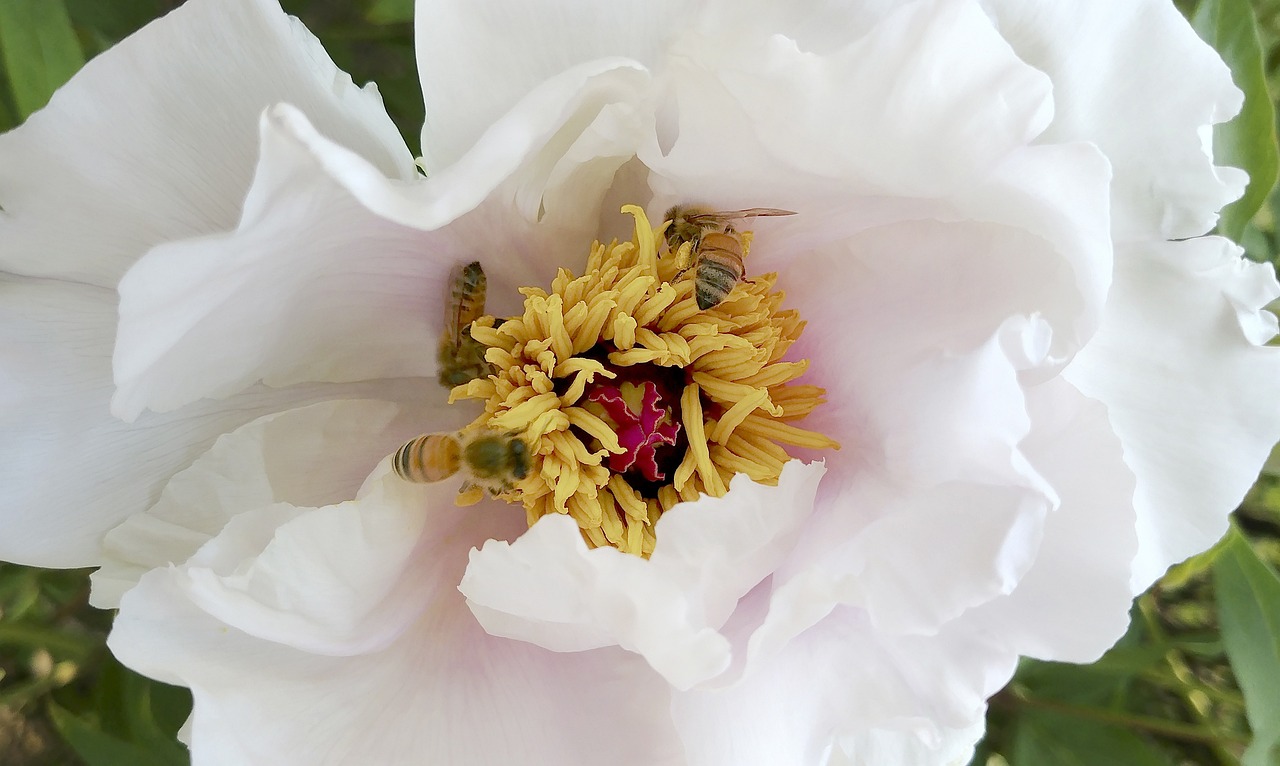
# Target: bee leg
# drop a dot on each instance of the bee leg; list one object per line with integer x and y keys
{"x": 685, "y": 259}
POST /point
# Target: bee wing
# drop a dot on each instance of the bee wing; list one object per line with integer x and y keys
{"x": 727, "y": 216}
{"x": 467, "y": 289}
{"x": 758, "y": 212}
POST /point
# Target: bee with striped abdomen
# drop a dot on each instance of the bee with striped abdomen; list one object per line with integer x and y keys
{"x": 489, "y": 459}
{"x": 715, "y": 251}
{"x": 460, "y": 356}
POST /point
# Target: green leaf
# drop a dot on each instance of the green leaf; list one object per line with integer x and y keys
{"x": 140, "y": 702}
{"x": 1045, "y": 739}
{"x": 1088, "y": 685}
{"x": 390, "y": 11}
{"x": 40, "y": 50}
{"x": 8, "y": 120}
{"x": 132, "y": 708}
{"x": 62, "y": 644}
{"x": 1248, "y": 594}
{"x": 1104, "y": 683}
{"x": 1249, "y": 140}
{"x": 98, "y": 748}
{"x": 114, "y": 20}
{"x": 171, "y": 705}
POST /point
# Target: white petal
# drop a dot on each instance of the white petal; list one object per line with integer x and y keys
{"x": 156, "y": 138}
{"x": 929, "y": 98}
{"x": 348, "y": 268}
{"x": 817, "y": 26}
{"x": 1073, "y": 603}
{"x": 70, "y": 471}
{"x": 343, "y": 579}
{"x": 1134, "y": 78}
{"x": 844, "y": 685}
{"x": 922, "y": 745}
{"x": 549, "y": 589}
{"x": 310, "y": 287}
{"x": 444, "y": 692}
{"x": 477, "y": 60}
{"x": 1188, "y": 392}
{"x": 310, "y": 456}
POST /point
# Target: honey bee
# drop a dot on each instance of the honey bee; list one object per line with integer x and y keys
{"x": 460, "y": 356}
{"x": 715, "y": 253}
{"x": 492, "y": 460}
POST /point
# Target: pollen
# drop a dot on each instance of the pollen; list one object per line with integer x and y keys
{"x": 632, "y": 398}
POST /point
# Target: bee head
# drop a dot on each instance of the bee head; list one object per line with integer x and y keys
{"x": 681, "y": 229}
{"x": 518, "y": 453}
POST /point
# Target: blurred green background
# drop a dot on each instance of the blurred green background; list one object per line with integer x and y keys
{"x": 1195, "y": 681}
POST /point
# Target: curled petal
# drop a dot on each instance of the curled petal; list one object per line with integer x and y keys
{"x": 322, "y": 226}
{"x": 1073, "y": 603}
{"x": 478, "y": 61}
{"x": 1177, "y": 366}
{"x": 72, "y": 472}
{"x": 1110, "y": 61}
{"x": 549, "y": 589}
{"x": 308, "y": 457}
{"x": 439, "y": 690}
{"x": 845, "y": 688}
{"x": 932, "y": 87}
{"x": 310, "y": 287}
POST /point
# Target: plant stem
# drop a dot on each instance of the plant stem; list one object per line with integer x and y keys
{"x": 1150, "y": 615}
{"x": 1171, "y": 682}
{"x": 1170, "y": 729}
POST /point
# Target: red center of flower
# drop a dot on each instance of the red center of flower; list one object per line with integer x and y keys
{"x": 642, "y": 417}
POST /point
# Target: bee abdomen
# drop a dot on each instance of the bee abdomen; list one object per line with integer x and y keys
{"x": 470, "y": 281}
{"x": 428, "y": 458}
{"x": 714, "y": 281}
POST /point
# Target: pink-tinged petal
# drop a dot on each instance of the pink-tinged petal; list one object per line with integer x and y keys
{"x": 932, "y": 414}
{"x": 156, "y": 138}
{"x": 477, "y": 60}
{"x": 70, "y": 471}
{"x": 1176, "y": 363}
{"x": 549, "y": 589}
{"x": 844, "y": 687}
{"x": 926, "y": 100}
{"x": 1112, "y": 63}
{"x": 309, "y": 457}
{"x": 443, "y": 691}
{"x": 932, "y": 507}
{"x": 1073, "y": 602}
{"x": 992, "y": 561}
{"x": 1031, "y": 236}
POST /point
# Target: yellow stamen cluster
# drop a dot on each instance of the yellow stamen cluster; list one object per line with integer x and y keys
{"x": 629, "y": 309}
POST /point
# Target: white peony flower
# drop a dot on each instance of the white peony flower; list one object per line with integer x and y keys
{"x": 1043, "y": 391}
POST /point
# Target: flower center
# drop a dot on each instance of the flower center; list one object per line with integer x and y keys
{"x": 645, "y": 422}
{"x": 631, "y": 397}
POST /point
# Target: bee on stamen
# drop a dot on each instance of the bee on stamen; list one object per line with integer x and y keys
{"x": 460, "y": 356}
{"x": 489, "y": 459}
{"x": 715, "y": 251}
